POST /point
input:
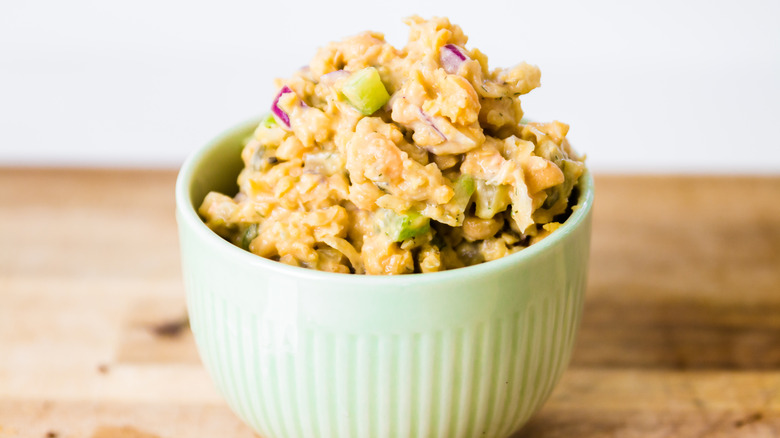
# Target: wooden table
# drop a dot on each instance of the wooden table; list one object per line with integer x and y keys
{"x": 680, "y": 337}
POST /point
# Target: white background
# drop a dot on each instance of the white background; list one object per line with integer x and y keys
{"x": 662, "y": 86}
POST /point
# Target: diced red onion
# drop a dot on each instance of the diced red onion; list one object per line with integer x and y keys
{"x": 430, "y": 122}
{"x": 451, "y": 57}
{"x": 281, "y": 116}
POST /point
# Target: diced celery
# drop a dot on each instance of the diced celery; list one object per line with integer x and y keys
{"x": 464, "y": 188}
{"x": 365, "y": 91}
{"x": 323, "y": 163}
{"x": 490, "y": 199}
{"x": 257, "y": 161}
{"x": 558, "y": 196}
{"x": 268, "y": 121}
{"x": 248, "y": 236}
{"x": 400, "y": 227}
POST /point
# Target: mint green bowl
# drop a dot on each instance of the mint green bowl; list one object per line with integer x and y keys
{"x": 301, "y": 353}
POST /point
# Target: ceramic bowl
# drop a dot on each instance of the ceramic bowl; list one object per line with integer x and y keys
{"x": 301, "y": 353}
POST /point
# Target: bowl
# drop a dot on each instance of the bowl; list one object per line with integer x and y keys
{"x": 302, "y": 353}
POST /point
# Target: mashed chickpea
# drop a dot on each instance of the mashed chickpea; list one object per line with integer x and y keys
{"x": 378, "y": 160}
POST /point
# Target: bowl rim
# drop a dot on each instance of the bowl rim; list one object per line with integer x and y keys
{"x": 187, "y": 215}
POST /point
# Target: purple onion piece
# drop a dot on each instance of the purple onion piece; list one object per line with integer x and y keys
{"x": 451, "y": 57}
{"x": 430, "y": 122}
{"x": 278, "y": 112}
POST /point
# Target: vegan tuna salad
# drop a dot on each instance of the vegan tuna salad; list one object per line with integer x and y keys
{"x": 378, "y": 160}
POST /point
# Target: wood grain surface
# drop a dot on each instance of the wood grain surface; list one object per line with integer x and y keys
{"x": 680, "y": 336}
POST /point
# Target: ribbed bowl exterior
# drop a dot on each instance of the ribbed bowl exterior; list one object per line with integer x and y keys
{"x": 483, "y": 378}
{"x": 471, "y": 352}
